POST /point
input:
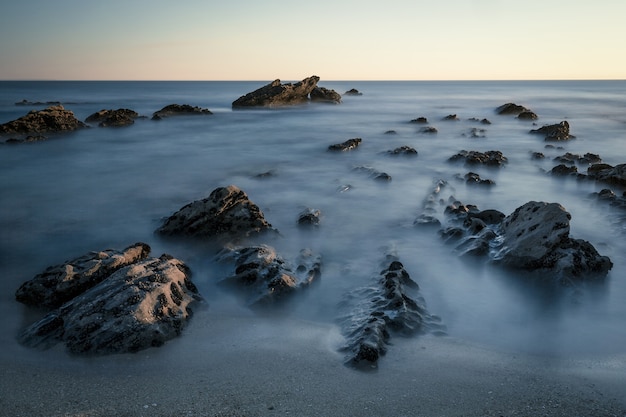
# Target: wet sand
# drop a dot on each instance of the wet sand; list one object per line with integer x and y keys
{"x": 251, "y": 366}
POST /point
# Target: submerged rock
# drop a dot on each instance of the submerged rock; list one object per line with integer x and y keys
{"x": 373, "y": 173}
{"x": 50, "y": 119}
{"x": 309, "y": 217}
{"x": 403, "y": 150}
{"x": 420, "y": 120}
{"x": 326, "y": 95}
{"x": 180, "y": 110}
{"x": 113, "y": 118}
{"x": 563, "y": 169}
{"x": 227, "y": 212}
{"x": 473, "y": 178}
{"x": 265, "y": 277}
{"x": 278, "y": 94}
{"x": 346, "y": 146}
{"x": 489, "y": 158}
{"x": 353, "y": 92}
{"x": 555, "y": 132}
{"x": 527, "y": 115}
{"x": 60, "y": 283}
{"x": 511, "y": 108}
{"x": 139, "y": 306}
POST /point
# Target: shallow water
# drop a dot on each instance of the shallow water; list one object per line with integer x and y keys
{"x": 108, "y": 188}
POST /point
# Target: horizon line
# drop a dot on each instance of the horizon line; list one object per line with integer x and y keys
{"x": 324, "y": 80}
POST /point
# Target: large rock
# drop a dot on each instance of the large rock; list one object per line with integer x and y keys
{"x": 555, "y": 132}
{"x": 326, "y": 95}
{"x": 489, "y": 158}
{"x": 180, "y": 110}
{"x": 227, "y": 212}
{"x": 139, "y": 306}
{"x": 60, "y": 283}
{"x": 113, "y": 118}
{"x": 606, "y": 173}
{"x": 278, "y": 94}
{"x": 265, "y": 277}
{"x": 511, "y": 108}
{"x": 50, "y": 119}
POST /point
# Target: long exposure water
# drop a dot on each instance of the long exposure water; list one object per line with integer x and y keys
{"x": 104, "y": 188}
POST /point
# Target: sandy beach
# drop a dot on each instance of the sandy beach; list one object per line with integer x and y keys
{"x": 251, "y": 366}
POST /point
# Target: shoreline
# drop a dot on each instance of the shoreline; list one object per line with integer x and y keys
{"x": 251, "y": 366}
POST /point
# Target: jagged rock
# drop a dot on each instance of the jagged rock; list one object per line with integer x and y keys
{"x": 277, "y": 94}
{"x": 428, "y": 212}
{"x": 475, "y": 179}
{"x": 615, "y": 175}
{"x": 180, "y": 110}
{"x": 511, "y": 108}
{"x": 555, "y": 132}
{"x": 113, "y": 118}
{"x": 139, "y": 306}
{"x": 60, "y": 283}
{"x": 563, "y": 169}
{"x": 50, "y": 119}
{"x": 420, "y": 120}
{"x": 537, "y": 155}
{"x": 403, "y": 150}
{"x": 265, "y": 277}
{"x": 527, "y": 115}
{"x": 428, "y": 130}
{"x": 227, "y": 212}
{"x": 571, "y": 158}
{"x": 309, "y": 217}
{"x": 451, "y": 117}
{"x": 373, "y": 173}
{"x": 325, "y": 95}
{"x": 353, "y": 92}
{"x": 346, "y": 146}
{"x": 392, "y": 305}
{"x": 489, "y": 158}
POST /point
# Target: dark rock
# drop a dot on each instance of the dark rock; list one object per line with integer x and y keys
{"x": 489, "y": 158}
{"x": 556, "y": 132}
{"x": 392, "y": 305}
{"x": 353, "y": 92}
{"x": 563, "y": 169}
{"x": 373, "y": 173}
{"x": 390, "y": 132}
{"x": 485, "y": 122}
{"x": 403, "y": 150}
{"x": 428, "y": 130}
{"x": 428, "y": 212}
{"x": 527, "y": 115}
{"x": 451, "y": 117}
{"x": 489, "y": 216}
{"x": 538, "y": 155}
{"x": 140, "y": 306}
{"x": 309, "y": 217}
{"x": 571, "y": 158}
{"x": 277, "y": 94}
{"x": 180, "y": 110}
{"x": 476, "y": 133}
{"x": 608, "y": 174}
{"x": 265, "y": 277}
{"x": 60, "y": 283}
{"x": 27, "y": 139}
{"x": 50, "y": 119}
{"x": 113, "y": 118}
{"x": 346, "y": 146}
{"x": 420, "y": 120}
{"x": 511, "y": 108}
{"x": 322, "y": 94}
{"x": 473, "y": 178}
{"x": 37, "y": 103}
{"x": 227, "y": 212}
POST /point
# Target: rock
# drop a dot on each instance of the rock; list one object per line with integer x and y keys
{"x": 563, "y": 169}
{"x": 537, "y": 155}
{"x": 473, "y": 178}
{"x": 527, "y": 115}
{"x": 451, "y": 117}
{"x": 346, "y": 146}
{"x": 60, "y": 283}
{"x": 428, "y": 212}
{"x": 265, "y": 277}
{"x": 403, "y": 150}
{"x": 608, "y": 174}
{"x": 322, "y": 94}
{"x": 139, "y": 306}
{"x": 227, "y": 212}
{"x": 113, "y": 118}
{"x": 391, "y": 132}
{"x": 476, "y": 133}
{"x": 50, "y": 119}
{"x": 489, "y": 158}
{"x": 373, "y": 173}
{"x": 180, "y": 110}
{"x": 392, "y": 305}
{"x": 428, "y": 130}
{"x": 571, "y": 158}
{"x": 511, "y": 108}
{"x": 309, "y": 217}
{"x": 353, "y": 92}
{"x": 277, "y": 94}
{"x": 27, "y": 139}
{"x": 420, "y": 120}
{"x": 37, "y": 103}
{"x": 556, "y": 132}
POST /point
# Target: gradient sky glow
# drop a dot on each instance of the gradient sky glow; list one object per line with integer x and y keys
{"x": 292, "y": 39}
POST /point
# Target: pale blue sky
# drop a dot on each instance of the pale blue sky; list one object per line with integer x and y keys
{"x": 292, "y": 39}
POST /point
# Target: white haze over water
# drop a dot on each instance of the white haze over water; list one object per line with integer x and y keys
{"x": 108, "y": 188}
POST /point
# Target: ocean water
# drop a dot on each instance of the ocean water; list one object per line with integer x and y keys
{"x": 104, "y": 188}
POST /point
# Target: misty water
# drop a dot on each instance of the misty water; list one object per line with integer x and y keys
{"x": 105, "y": 188}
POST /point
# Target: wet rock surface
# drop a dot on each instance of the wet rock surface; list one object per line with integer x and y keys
{"x": 489, "y": 158}
{"x": 511, "y": 108}
{"x": 554, "y": 133}
{"x": 279, "y": 94}
{"x": 139, "y": 306}
{"x": 403, "y": 150}
{"x": 113, "y": 118}
{"x": 325, "y": 95}
{"x": 227, "y": 212}
{"x": 348, "y": 145}
{"x": 309, "y": 217}
{"x": 49, "y": 120}
{"x": 180, "y": 110}
{"x": 608, "y": 174}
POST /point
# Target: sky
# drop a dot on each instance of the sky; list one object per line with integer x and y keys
{"x": 293, "y": 39}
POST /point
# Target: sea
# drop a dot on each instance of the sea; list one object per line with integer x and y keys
{"x": 101, "y": 188}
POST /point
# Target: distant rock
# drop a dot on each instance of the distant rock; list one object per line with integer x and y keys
{"x": 353, "y": 92}
{"x": 511, "y": 108}
{"x": 527, "y": 115}
{"x": 60, "y": 283}
{"x": 139, "y": 306}
{"x": 403, "y": 150}
{"x": 27, "y": 139}
{"x": 264, "y": 277}
{"x": 321, "y": 94}
{"x": 563, "y": 169}
{"x": 277, "y": 94}
{"x": 348, "y": 145}
{"x": 180, "y": 110}
{"x": 473, "y": 178}
{"x": 113, "y": 118}
{"x": 37, "y": 103}
{"x": 451, "y": 117}
{"x": 489, "y": 158}
{"x": 373, "y": 173}
{"x": 420, "y": 120}
{"x": 49, "y": 120}
{"x": 475, "y": 133}
{"x": 571, "y": 158}
{"x": 555, "y": 132}
{"x": 226, "y": 213}
{"x": 428, "y": 130}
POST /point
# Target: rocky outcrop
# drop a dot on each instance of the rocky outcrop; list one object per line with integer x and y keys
{"x": 310, "y": 217}
{"x": 563, "y": 170}
{"x": 615, "y": 175}
{"x": 574, "y": 158}
{"x": 264, "y": 277}
{"x": 113, "y": 118}
{"x": 428, "y": 130}
{"x": 473, "y": 178}
{"x": 59, "y": 284}
{"x": 49, "y": 120}
{"x": 428, "y": 214}
{"x": 277, "y": 94}
{"x": 139, "y": 306}
{"x": 227, "y": 213}
{"x": 403, "y": 150}
{"x": 348, "y": 145}
{"x": 321, "y": 94}
{"x": 353, "y": 92}
{"x": 451, "y": 117}
{"x": 180, "y": 110}
{"x": 420, "y": 120}
{"x": 555, "y": 132}
{"x": 373, "y": 173}
{"x": 489, "y": 158}
{"x": 511, "y": 108}
{"x": 392, "y": 305}
{"x": 527, "y": 115}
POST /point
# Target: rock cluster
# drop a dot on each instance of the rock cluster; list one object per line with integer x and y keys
{"x": 51, "y": 119}
{"x": 489, "y": 158}
{"x": 278, "y": 94}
